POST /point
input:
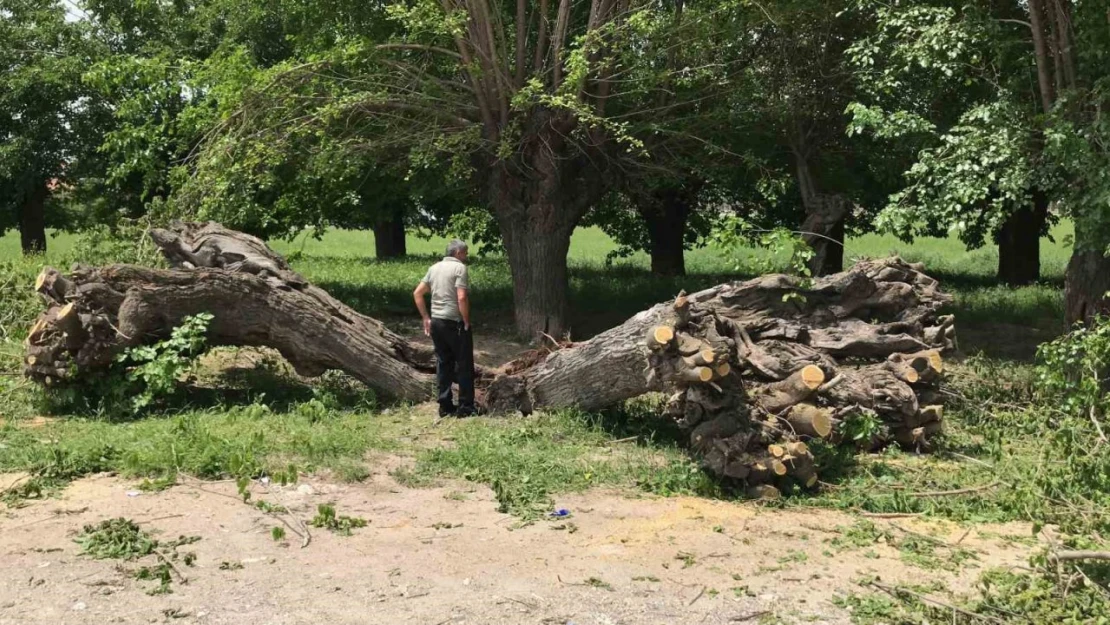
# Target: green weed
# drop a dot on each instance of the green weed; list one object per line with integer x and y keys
{"x": 119, "y": 539}
{"x": 326, "y": 518}
{"x": 597, "y": 582}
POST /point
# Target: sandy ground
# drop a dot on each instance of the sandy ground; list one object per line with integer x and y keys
{"x": 480, "y": 569}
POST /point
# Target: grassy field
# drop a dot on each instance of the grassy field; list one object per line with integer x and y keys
{"x": 263, "y": 421}
{"x": 603, "y": 295}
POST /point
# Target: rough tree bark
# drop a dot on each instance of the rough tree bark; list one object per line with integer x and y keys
{"x": 1085, "y": 287}
{"x": 32, "y": 220}
{"x": 1052, "y": 32}
{"x": 95, "y": 313}
{"x": 1019, "y": 244}
{"x": 389, "y": 236}
{"x": 753, "y": 368}
{"x": 538, "y": 200}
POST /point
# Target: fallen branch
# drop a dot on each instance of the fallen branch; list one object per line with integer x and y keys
{"x": 894, "y": 591}
{"x": 889, "y": 515}
{"x": 1068, "y": 556}
{"x": 700, "y": 593}
{"x": 958, "y": 491}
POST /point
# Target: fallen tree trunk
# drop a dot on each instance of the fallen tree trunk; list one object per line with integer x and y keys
{"x": 752, "y": 368}
{"x": 756, "y": 366}
{"x": 95, "y": 313}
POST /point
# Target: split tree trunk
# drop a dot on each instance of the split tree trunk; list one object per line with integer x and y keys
{"x": 823, "y": 231}
{"x": 389, "y": 236}
{"x": 823, "y": 226}
{"x": 1019, "y": 245}
{"x": 32, "y": 220}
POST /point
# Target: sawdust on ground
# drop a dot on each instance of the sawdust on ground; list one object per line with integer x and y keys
{"x": 445, "y": 555}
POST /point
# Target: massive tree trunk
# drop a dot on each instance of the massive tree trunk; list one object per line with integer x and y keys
{"x": 255, "y": 298}
{"x": 32, "y": 220}
{"x": 538, "y": 199}
{"x": 665, "y": 211}
{"x": 389, "y": 236}
{"x": 753, "y": 368}
{"x": 1019, "y": 244}
{"x": 537, "y": 251}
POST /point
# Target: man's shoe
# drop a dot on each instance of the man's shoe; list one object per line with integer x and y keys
{"x": 473, "y": 411}
{"x": 448, "y": 412}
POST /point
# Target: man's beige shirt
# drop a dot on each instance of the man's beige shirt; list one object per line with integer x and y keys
{"x": 443, "y": 278}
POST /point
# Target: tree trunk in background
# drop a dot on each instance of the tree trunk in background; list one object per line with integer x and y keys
{"x": 665, "y": 211}
{"x": 32, "y": 220}
{"x": 833, "y": 261}
{"x": 537, "y": 251}
{"x": 823, "y": 231}
{"x": 823, "y": 226}
{"x": 389, "y": 236}
{"x": 1019, "y": 244}
{"x": 538, "y": 197}
{"x": 1086, "y": 285}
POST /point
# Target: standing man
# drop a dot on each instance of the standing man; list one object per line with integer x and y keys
{"x": 449, "y": 327}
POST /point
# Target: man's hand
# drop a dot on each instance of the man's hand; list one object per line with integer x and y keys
{"x": 427, "y": 326}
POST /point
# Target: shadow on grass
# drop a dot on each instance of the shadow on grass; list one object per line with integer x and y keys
{"x": 230, "y": 388}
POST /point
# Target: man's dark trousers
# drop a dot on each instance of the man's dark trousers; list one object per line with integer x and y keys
{"x": 454, "y": 363}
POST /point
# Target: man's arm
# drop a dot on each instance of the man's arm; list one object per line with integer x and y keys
{"x": 418, "y": 296}
{"x": 464, "y": 306}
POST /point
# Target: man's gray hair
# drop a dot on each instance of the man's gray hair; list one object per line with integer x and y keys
{"x": 455, "y": 246}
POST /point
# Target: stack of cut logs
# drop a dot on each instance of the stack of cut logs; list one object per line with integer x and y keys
{"x": 750, "y": 405}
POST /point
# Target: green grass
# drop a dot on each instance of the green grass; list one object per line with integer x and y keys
{"x": 603, "y": 295}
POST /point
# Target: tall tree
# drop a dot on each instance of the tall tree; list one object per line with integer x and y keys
{"x": 49, "y": 119}
{"x": 959, "y": 80}
{"x": 535, "y": 106}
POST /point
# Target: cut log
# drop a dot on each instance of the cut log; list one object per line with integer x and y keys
{"x": 660, "y": 337}
{"x": 809, "y": 420}
{"x": 255, "y": 299}
{"x": 764, "y": 491}
{"x": 800, "y": 386}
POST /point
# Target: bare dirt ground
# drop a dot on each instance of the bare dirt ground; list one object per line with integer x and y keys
{"x": 445, "y": 555}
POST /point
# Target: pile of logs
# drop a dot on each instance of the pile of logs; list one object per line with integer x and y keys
{"x": 755, "y": 369}
{"x": 752, "y": 370}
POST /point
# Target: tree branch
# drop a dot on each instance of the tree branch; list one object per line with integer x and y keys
{"x": 521, "y": 42}
{"x": 414, "y": 46}
{"x": 541, "y": 40}
{"x": 558, "y": 41}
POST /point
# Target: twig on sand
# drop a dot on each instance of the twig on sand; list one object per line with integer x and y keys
{"x": 889, "y": 515}
{"x": 173, "y": 566}
{"x": 700, "y": 593}
{"x": 749, "y": 616}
